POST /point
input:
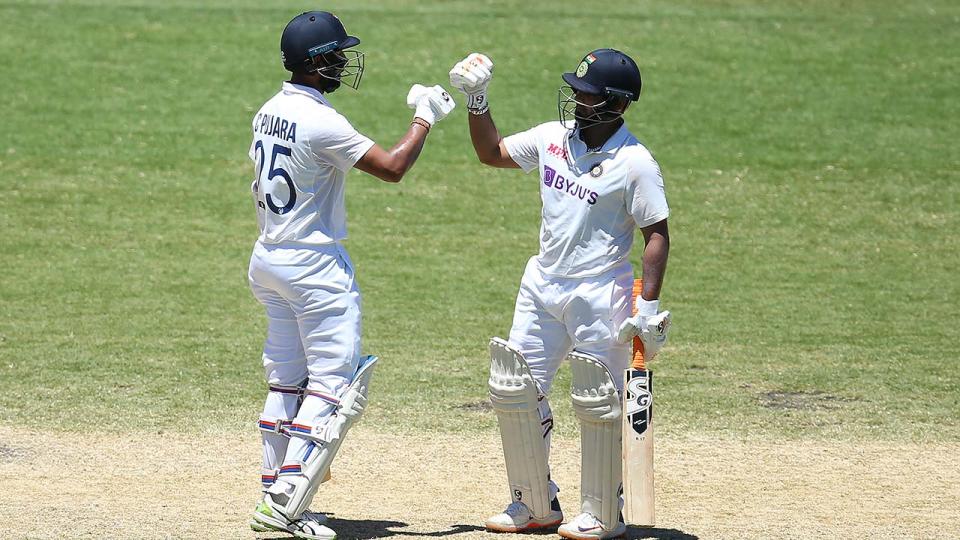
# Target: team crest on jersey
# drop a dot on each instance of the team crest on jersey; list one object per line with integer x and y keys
{"x": 596, "y": 170}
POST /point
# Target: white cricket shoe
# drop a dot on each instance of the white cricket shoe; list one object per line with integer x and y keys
{"x": 587, "y": 527}
{"x": 308, "y": 515}
{"x": 517, "y": 518}
{"x": 312, "y": 530}
{"x": 270, "y": 517}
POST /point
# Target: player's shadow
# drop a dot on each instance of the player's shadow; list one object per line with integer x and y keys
{"x": 368, "y": 529}
{"x": 365, "y": 529}
{"x": 643, "y": 533}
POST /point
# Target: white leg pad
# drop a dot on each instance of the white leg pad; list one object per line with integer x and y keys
{"x": 326, "y": 440}
{"x": 513, "y": 393}
{"x": 596, "y": 403}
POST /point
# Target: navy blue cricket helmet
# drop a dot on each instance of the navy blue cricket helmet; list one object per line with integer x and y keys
{"x": 607, "y": 73}
{"x": 317, "y": 41}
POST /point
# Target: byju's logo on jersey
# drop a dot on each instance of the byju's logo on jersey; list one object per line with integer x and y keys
{"x": 571, "y": 188}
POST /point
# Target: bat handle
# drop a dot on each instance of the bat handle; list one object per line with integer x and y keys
{"x": 638, "y": 361}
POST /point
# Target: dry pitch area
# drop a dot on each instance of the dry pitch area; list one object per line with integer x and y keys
{"x": 170, "y": 486}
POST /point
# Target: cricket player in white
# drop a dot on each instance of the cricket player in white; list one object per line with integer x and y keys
{"x": 302, "y": 149}
{"x": 598, "y": 184}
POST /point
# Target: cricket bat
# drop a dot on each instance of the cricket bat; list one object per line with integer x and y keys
{"x": 638, "y": 434}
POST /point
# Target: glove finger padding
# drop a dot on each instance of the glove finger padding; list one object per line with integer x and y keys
{"x": 416, "y": 92}
{"x": 481, "y": 72}
{"x": 480, "y": 59}
{"x": 431, "y": 104}
{"x": 458, "y": 77}
{"x": 440, "y": 102}
{"x": 653, "y": 333}
{"x": 472, "y": 74}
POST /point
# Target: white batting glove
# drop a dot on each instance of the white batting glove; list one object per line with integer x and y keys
{"x": 652, "y": 327}
{"x": 431, "y": 104}
{"x": 471, "y": 76}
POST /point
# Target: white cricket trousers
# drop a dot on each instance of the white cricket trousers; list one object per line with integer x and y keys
{"x": 313, "y": 341}
{"x": 313, "y": 312}
{"x": 555, "y": 315}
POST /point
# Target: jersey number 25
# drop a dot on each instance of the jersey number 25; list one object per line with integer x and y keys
{"x": 274, "y": 172}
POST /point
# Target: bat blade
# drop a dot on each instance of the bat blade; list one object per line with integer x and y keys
{"x": 637, "y": 435}
{"x": 638, "y": 447}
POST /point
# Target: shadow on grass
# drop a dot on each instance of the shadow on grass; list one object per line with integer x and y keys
{"x": 642, "y": 533}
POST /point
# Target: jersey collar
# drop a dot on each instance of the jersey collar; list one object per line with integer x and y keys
{"x": 291, "y": 88}
{"x": 615, "y": 141}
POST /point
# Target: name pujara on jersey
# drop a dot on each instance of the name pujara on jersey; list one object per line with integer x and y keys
{"x": 275, "y": 126}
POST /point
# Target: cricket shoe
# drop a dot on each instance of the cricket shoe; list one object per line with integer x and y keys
{"x": 310, "y": 525}
{"x": 308, "y": 515}
{"x": 517, "y": 518}
{"x": 586, "y": 526}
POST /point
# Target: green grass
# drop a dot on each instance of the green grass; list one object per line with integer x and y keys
{"x": 809, "y": 151}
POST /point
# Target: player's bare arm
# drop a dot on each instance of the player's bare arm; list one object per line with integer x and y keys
{"x": 656, "y": 239}
{"x": 471, "y": 76}
{"x": 432, "y": 105}
{"x": 649, "y": 322}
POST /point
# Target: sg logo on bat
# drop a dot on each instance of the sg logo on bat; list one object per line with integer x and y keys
{"x": 639, "y": 398}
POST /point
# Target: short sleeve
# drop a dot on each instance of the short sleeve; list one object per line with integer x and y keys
{"x": 524, "y": 148}
{"x": 645, "y": 194}
{"x": 336, "y": 142}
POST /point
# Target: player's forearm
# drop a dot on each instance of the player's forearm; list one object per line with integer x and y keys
{"x": 485, "y": 137}
{"x": 390, "y": 165}
{"x": 655, "y": 261}
{"x": 405, "y": 153}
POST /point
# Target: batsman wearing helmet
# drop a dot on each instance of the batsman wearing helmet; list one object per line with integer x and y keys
{"x": 598, "y": 184}
{"x": 302, "y": 150}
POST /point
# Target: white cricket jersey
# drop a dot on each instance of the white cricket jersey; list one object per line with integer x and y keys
{"x": 302, "y": 149}
{"x": 592, "y": 200}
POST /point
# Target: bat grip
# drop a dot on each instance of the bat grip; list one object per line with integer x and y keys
{"x": 638, "y": 361}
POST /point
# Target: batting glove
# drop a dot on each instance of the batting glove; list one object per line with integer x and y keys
{"x": 431, "y": 104}
{"x": 471, "y": 76}
{"x": 652, "y": 327}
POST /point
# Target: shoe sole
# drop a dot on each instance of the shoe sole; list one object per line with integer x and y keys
{"x": 308, "y": 536}
{"x": 605, "y": 535}
{"x": 260, "y": 526}
{"x": 495, "y": 527}
{"x": 259, "y": 523}
{"x": 256, "y": 526}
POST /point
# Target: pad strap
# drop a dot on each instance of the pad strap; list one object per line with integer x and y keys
{"x": 272, "y": 424}
{"x": 295, "y": 390}
{"x": 276, "y": 424}
{"x": 268, "y": 477}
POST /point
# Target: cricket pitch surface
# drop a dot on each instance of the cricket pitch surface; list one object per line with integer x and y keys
{"x": 169, "y": 485}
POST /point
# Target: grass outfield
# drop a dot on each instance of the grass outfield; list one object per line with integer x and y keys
{"x": 810, "y": 154}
